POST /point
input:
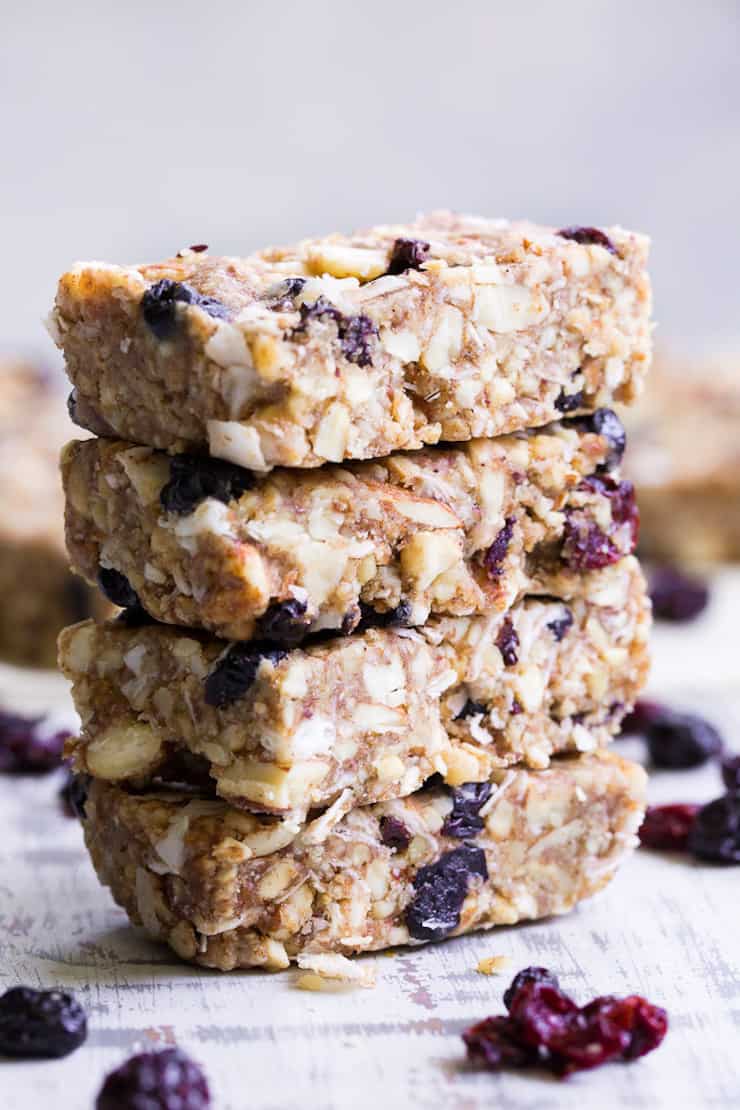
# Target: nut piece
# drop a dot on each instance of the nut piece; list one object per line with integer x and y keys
{"x": 327, "y": 971}
{"x": 122, "y": 751}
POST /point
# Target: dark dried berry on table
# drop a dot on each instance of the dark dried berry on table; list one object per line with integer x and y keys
{"x": 731, "y": 773}
{"x": 30, "y": 745}
{"x": 507, "y": 642}
{"x": 440, "y": 889}
{"x": 471, "y": 709}
{"x": 676, "y": 596}
{"x": 667, "y": 828}
{"x": 40, "y": 1024}
{"x": 681, "y": 740}
{"x": 117, "y": 588}
{"x": 236, "y": 672}
{"x": 467, "y": 800}
{"x": 159, "y": 306}
{"x": 529, "y": 975}
{"x": 569, "y": 402}
{"x": 393, "y": 832}
{"x": 546, "y": 1028}
{"x": 407, "y": 254}
{"x": 193, "y": 478}
{"x": 605, "y": 423}
{"x": 589, "y": 236}
{"x": 715, "y": 834}
{"x": 560, "y": 625}
{"x": 640, "y": 716}
{"x": 73, "y": 794}
{"x": 167, "y": 1080}
{"x": 493, "y": 560}
{"x": 285, "y": 622}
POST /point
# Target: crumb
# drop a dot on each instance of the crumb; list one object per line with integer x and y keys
{"x": 492, "y": 965}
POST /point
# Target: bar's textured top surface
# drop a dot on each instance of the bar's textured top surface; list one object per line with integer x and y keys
{"x": 356, "y": 346}
{"x": 367, "y": 716}
{"x": 450, "y": 531}
{"x": 227, "y": 889}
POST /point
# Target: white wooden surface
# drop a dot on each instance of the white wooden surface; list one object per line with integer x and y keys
{"x": 666, "y": 928}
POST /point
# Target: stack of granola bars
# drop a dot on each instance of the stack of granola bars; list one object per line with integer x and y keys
{"x": 360, "y": 502}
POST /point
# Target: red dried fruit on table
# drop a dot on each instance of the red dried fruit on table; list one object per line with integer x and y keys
{"x": 666, "y": 828}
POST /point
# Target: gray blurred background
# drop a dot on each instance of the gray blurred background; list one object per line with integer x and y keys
{"x": 133, "y": 129}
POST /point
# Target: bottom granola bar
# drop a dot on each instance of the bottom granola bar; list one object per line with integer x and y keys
{"x": 227, "y": 889}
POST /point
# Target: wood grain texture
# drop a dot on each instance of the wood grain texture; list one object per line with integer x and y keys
{"x": 666, "y": 928}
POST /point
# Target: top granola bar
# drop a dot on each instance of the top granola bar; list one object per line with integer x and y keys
{"x": 353, "y": 347}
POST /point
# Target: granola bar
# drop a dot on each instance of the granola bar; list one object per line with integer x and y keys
{"x": 39, "y": 595}
{"x": 353, "y": 347}
{"x": 364, "y": 717}
{"x": 227, "y": 889}
{"x": 684, "y": 456}
{"x": 450, "y": 531}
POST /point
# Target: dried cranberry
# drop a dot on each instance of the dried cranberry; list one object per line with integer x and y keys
{"x": 666, "y": 828}
{"x": 29, "y": 745}
{"x": 167, "y": 1080}
{"x": 604, "y": 423}
{"x": 285, "y": 622}
{"x": 589, "y": 236}
{"x": 585, "y": 545}
{"x": 681, "y": 740}
{"x": 676, "y": 596}
{"x": 40, "y": 1024}
{"x": 117, "y": 588}
{"x": 236, "y": 672}
{"x": 393, "y": 832}
{"x": 561, "y": 625}
{"x": 407, "y": 254}
{"x": 507, "y": 642}
{"x": 194, "y": 478}
{"x": 467, "y": 801}
{"x": 715, "y": 834}
{"x": 471, "y": 709}
{"x": 159, "y": 306}
{"x": 544, "y": 1027}
{"x": 529, "y": 975}
{"x": 440, "y": 890}
{"x": 493, "y": 560}
{"x": 731, "y": 773}
{"x": 569, "y": 402}
{"x": 73, "y": 794}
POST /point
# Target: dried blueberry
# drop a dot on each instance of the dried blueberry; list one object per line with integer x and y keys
{"x": 467, "y": 801}
{"x": 407, "y": 254}
{"x": 529, "y": 975}
{"x": 715, "y": 833}
{"x": 193, "y": 478}
{"x": 73, "y": 794}
{"x": 589, "y": 236}
{"x": 586, "y": 546}
{"x": 507, "y": 642}
{"x": 285, "y": 622}
{"x": 471, "y": 709}
{"x": 392, "y": 618}
{"x": 283, "y": 296}
{"x": 560, "y": 626}
{"x": 29, "y": 745}
{"x": 394, "y": 833}
{"x": 159, "y": 306}
{"x": 440, "y": 890}
{"x": 731, "y": 773}
{"x": 40, "y": 1024}
{"x": 356, "y": 333}
{"x": 667, "y": 828}
{"x": 605, "y": 423}
{"x": 117, "y": 588}
{"x": 676, "y": 596}
{"x": 167, "y": 1080}
{"x": 493, "y": 560}
{"x": 680, "y": 740}
{"x": 236, "y": 671}
{"x": 569, "y": 402}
